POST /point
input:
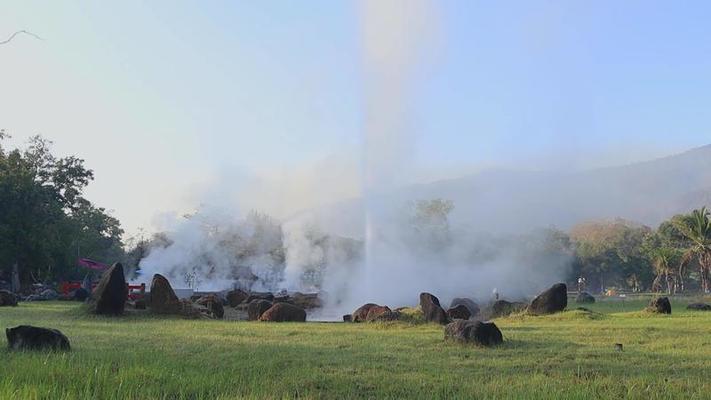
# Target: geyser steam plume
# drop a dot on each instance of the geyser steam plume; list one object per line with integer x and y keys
{"x": 394, "y": 39}
{"x": 385, "y": 247}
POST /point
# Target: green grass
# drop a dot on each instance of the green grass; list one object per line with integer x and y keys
{"x": 568, "y": 355}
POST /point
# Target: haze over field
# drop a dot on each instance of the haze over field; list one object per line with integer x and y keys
{"x": 263, "y": 105}
{"x": 377, "y": 141}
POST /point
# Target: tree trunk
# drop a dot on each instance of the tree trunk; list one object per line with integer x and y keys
{"x": 704, "y": 267}
{"x": 15, "y": 278}
{"x": 669, "y": 283}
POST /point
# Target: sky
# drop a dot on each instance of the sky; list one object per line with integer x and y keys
{"x": 178, "y": 103}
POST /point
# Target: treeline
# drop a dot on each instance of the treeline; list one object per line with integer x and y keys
{"x": 46, "y": 225}
{"x": 45, "y": 222}
{"x": 674, "y": 257}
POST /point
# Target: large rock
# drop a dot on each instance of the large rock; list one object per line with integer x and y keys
{"x": 25, "y": 337}
{"x": 459, "y": 312}
{"x": 188, "y": 309}
{"x": 476, "y": 332}
{"x": 699, "y": 307}
{"x": 214, "y": 304}
{"x": 259, "y": 296}
{"x": 163, "y": 299}
{"x": 585, "y": 298}
{"x": 503, "y": 308}
{"x": 550, "y": 301}
{"x": 361, "y": 314}
{"x": 381, "y": 313}
{"x": 236, "y": 297}
{"x": 7, "y": 298}
{"x": 306, "y": 300}
{"x": 431, "y": 309}
{"x": 468, "y": 303}
{"x": 256, "y": 308}
{"x": 284, "y": 312}
{"x": 660, "y": 305}
{"x": 109, "y": 297}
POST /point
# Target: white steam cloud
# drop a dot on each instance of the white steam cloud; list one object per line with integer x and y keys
{"x": 378, "y": 248}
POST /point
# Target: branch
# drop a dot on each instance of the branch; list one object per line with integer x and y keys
{"x": 8, "y": 40}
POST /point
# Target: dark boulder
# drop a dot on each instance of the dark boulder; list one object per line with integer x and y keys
{"x": 306, "y": 300}
{"x": 110, "y": 295}
{"x": 7, "y": 298}
{"x": 380, "y": 313}
{"x": 585, "y": 298}
{"x": 699, "y": 307}
{"x": 259, "y": 296}
{"x": 468, "y": 303}
{"x": 459, "y": 312}
{"x": 80, "y": 294}
{"x": 256, "y": 308}
{"x": 25, "y": 337}
{"x": 163, "y": 299}
{"x": 503, "y": 308}
{"x": 660, "y": 305}
{"x": 214, "y": 304}
{"x": 476, "y": 332}
{"x": 284, "y": 312}
{"x": 188, "y": 309}
{"x": 236, "y": 297}
{"x": 550, "y": 301}
{"x": 347, "y": 318}
{"x": 361, "y": 314}
{"x": 433, "y": 312}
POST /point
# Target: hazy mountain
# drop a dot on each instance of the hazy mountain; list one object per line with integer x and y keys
{"x": 498, "y": 200}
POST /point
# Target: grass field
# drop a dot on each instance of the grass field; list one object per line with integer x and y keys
{"x": 568, "y": 355}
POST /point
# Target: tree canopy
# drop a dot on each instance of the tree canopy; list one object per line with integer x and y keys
{"x": 45, "y": 222}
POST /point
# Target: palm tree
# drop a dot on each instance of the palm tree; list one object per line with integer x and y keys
{"x": 696, "y": 227}
{"x": 663, "y": 260}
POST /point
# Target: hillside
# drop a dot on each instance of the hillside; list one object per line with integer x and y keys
{"x": 503, "y": 201}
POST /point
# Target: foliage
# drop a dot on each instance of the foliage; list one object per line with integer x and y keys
{"x": 696, "y": 227}
{"x": 45, "y": 222}
{"x": 430, "y": 223}
{"x": 610, "y": 253}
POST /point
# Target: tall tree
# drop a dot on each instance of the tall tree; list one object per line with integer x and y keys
{"x": 696, "y": 227}
{"x": 43, "y": 217}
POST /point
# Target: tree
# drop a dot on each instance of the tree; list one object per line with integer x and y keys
{"x": 696, "y": 227}
{"x": 430, "y": 223}
{"x": 44, "y": 220}
{"x": 610, "y": 253}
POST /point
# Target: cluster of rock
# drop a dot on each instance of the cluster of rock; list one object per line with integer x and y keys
{"x": 163, "y": 300}
{"x": 265, "y": 306}
{"x": 40, "y": 292}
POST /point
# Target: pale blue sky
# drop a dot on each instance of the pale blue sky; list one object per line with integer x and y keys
{"x": 166, "y": 98}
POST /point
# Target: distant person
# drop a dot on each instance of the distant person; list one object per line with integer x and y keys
{"x": 496, "y": 294}
{"x": 581, "y": 284}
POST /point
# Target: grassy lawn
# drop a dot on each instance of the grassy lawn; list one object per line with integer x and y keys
{"x": 568, "y": 355}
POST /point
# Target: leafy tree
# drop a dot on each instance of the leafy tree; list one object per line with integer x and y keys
{"x": 44, "y": 220}
{"x": 696, "y": 227}
{"x": 430, "y": 223}
{"x": 610, "y": 253}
